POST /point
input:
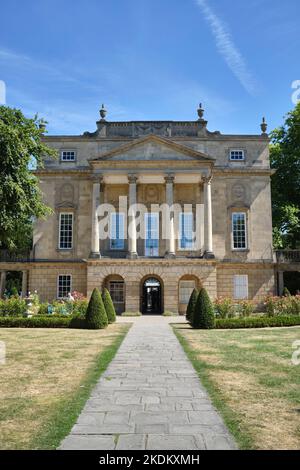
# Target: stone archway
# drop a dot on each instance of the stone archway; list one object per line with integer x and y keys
{"x": 116, "y": 287}
{"x": 151, "y": 295}
{"x": 186, "y": 284}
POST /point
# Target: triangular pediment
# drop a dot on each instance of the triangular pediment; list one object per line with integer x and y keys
{"x": 154, "y": 148}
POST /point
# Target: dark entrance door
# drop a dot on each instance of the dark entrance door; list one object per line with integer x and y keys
{"x": 151, "y": 301}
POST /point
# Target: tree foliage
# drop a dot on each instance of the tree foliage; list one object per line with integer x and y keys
{"x": 191, "y": 305}
{"x": 20, "y": 196}
{"x": 285, "y": 158}
{"x": 109, "y": 306}
{"x": 96, "y": 317}
{"x": 203, "y": 316}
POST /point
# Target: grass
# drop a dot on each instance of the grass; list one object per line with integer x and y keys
{"x": 251, "y": 381}
{"x": 47, "y": 378}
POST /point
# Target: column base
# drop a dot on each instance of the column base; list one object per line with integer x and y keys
{"x": 209, "y": 255}
{"x": 95, "y": 255}
{"x": 132, "y": 256}
{"x": 170, "y": 255}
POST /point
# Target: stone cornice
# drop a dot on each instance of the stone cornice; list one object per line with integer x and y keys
{"x": 219, "y": 171}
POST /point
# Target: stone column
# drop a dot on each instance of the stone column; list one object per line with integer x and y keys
{"x": 2, "y": 283}
{"x": 24, "y": 283}
{"x": 132, "y": 250}
{"x": 170, "y": 242}
{"x": 280, "y": 283}
{"x": 95, "y": 237}
{"x": 208, "y": 239}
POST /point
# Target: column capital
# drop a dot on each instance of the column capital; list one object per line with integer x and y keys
{"x": 97, "y": 178}
{"x": 169, "y": 178}
{"x": 132, "y": 178}
{"x": 206, "y": 179}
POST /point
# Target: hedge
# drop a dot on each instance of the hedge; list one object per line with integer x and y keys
{"x": 35, "y": 322}
{"x": 257, "y": 322}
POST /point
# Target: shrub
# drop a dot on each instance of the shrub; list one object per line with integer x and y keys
{"x": 109, "y": 306}
{"x": 79, "y": 307}
{"x": 35, "y": 322}
{"x": 77, "y": 295}
{"x": 224, "y": 307}
{"x": 168, "y": 313}
{"x": 191, "y": 305}
{"x": 43, "y": 309}
{"x": 131, "y": 314}
{"x": 204, "y": 316}
{"x": 96, "y": 317}
{"x": 258, "y": 322}
{"x": 289, "y": 305}
{"x": 13, "y": 307}
{"x": 245, "y": 308}
{"x": 286, "y": 292}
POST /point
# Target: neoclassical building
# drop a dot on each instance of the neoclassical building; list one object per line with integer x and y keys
{"x": 219, "y": 183}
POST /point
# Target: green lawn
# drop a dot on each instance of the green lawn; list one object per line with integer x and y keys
{"x": 47, "y": 379}
{"x": 251, "y": 380}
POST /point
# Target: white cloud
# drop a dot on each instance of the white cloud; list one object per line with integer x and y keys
{"x": 228, "y": 49}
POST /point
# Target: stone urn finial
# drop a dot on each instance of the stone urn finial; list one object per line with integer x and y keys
{"x": 264, "y": 126}
{"x": 200, "y": 112}
{"x": 103, "y": 113}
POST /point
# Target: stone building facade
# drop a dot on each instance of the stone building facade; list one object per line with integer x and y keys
{"x": 221, "y": 182}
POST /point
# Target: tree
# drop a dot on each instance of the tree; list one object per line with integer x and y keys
{"x": 204, "y": 316}
{"x": 20, "y": 196}
{"x": 285, "y": 158}
{"x": 109, "y": 306}
{"x": 191, "y": 305}
{"x": 96, "y": 317}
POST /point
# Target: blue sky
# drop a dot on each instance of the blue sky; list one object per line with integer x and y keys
{"x": 151, "y": 59}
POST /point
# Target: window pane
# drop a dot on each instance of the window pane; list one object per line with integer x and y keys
{"x": 239, "y": 230}
{"x": 237, "y": 155}
{"x": 117, "y": 231}
{"x": 116, "y": 290}
{"x": 64, "y": 285}
{"x": 185, "y": 290}
{"x": 66, "y": 231}
{"x": 68, "y": 155}
{"x": 152, "y": 234}
{"x": 186, "y": 231}
{"x": 240, "y": 286}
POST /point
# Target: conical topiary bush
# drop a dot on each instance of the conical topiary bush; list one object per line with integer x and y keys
{"x": 191, "y": 305}
{"x": 96, "y": 317}
{"x": 109, "y": 306}
{"x": 204, "y": 316}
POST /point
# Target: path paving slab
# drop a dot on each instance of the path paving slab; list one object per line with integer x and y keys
{"x": 150, "y": 397}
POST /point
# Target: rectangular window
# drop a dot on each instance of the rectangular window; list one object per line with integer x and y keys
{"x": 117, "y": 231}
{"x": 64, "y": 285}
{"x": 116, "y": 290}
{"x": 186, "y": 241}
{"x": 239, "y": 233}
{"x": 65, "y": 230}
{"x": 240, "y": 286}
{"x": 185, "y": 290}
{"x": 237, "y": 155}
{"x": 68, "y": 155}
{"x": 151, "y": 234}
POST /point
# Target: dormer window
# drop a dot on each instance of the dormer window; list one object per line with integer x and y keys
{"x": 68, "y": 155}
{"x": 237, "y": 155}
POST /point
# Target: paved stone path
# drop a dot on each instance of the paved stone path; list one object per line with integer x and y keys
{"x": 150, "y": 397}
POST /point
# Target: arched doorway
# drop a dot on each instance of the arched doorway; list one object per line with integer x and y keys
{"x": 151, "y": 296}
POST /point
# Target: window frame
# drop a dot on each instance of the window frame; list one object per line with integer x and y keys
{"x": 188, "y": 281}
{"x": 237, "y": 159}
{"x": 57, "y": 285}
{"x": 237, "y": 286}
{"x": 110, "y": 231}
{"x": 245, "y": 248}
{"x": 148, "y": 253}
{"x": 188, "y": 248}
{"x": 59, "y": 230}
{"x": 67, "y": 160}
{"x": 114, "y": 282}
